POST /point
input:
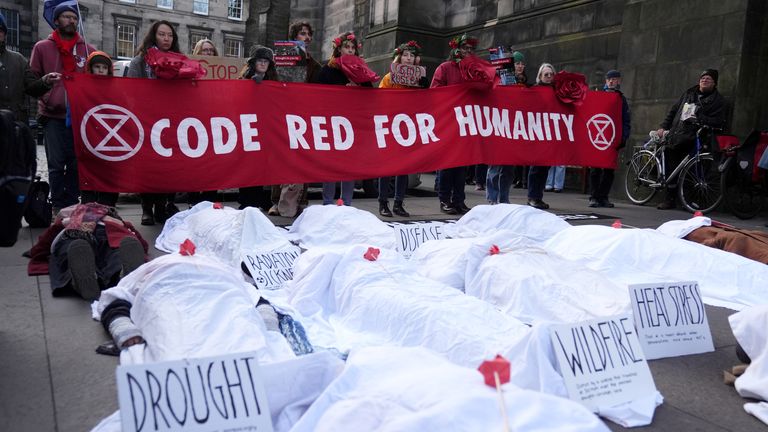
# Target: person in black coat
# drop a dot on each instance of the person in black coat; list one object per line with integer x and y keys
{"x": 708, "y": 108}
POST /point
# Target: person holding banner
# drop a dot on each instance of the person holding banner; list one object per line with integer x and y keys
{"x": 64, "y": 52}
{"x": 537, "y": 176}
{"x": 343, "y": 45}
{"x": 408, "y": 54}
{"x": 161, "y": 37}
{"x": 520, "y": 172}
{"x": 451, "y": 180}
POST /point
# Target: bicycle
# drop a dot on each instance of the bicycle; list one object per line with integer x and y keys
{"x": 743, "y": 183}
{"x": 699, "y": 185}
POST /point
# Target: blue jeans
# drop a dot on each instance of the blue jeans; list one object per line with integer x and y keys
{"x": 401, "y": 184}
{"x": 62, "y": 163}
{"x": 537, "y": 179}
{"x": 556, "y": 177}
{"x": 451, "y": 186}
{"x": 498, "y": 182}
{"x": 329, "y": 192}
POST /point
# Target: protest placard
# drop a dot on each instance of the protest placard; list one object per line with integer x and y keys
{"x": 270, "y": 269}
{"x": 670, "y": 319}
{"x": 408, "y": 237}
{"x": 602, "y": 362}
{"x": 407, "y": 75}
{"x": 202, "y": 394}
{"x": 220, "y": 67}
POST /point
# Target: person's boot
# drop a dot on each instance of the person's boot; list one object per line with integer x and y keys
{"x": 131, "y": 254}
{"x": 448, "y": 209}
{"x": 147, "y": 217}
{"x": 82, "y": 267}
{"x": 160, "y": 214}
{"x": 384, "y": 209}
{"x": 399, "y": 210}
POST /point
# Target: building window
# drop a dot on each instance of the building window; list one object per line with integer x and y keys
{"x": 165, "y": 4}
{"x": 235, "y": 9}
{"x": 233, "y": 47}
{"x": 125, "y": 40}
{"x": 383, "y": 11}
{"x": 195, "y": 37}
{"x": 12, "y": 22}
{"x": 200, "y": 7}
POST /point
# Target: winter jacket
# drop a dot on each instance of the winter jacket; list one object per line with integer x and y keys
{"x": 334, "y": 76}
{"x": 712, "y": 111}
{"x": 626, "y": 117}
{"x": 446, "y": 74}
{"x": 16, "y": 79}
{"x": 45, "y": 58}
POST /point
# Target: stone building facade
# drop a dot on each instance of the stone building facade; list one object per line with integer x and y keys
{"x": 21, "y": 19}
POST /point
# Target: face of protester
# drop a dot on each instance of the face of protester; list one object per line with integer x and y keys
{"x": 304, "y": 35}
{"x": 207, "y": 49}
{"x": 99, "y": 69}
{"x": 466, "y": 49}
{"x": 519, "y": 68}
{"x": 262, "y": 65}
{"x": 66, "y": 23}
{"x": 613, "y": 83}
{"x": 547, "y": 75}
{"x": 164, "y": 37}
{"x": 348, "y": 48}
{"x": 408, "y": 58}
{"x": 706, "y": 84}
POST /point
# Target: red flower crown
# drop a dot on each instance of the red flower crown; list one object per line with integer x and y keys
{"x": 411, "y": 46}
{"x": 338, "y": 41}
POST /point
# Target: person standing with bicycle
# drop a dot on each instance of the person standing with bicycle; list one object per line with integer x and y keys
{"x": 700, "y": 105}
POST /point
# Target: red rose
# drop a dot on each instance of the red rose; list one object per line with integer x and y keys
{"x": 350, "y": 37}
{"x": 494, "y": 250}
{"x": 372, "y": 254}
{"x": 474, "y": 69}
{"x": 453, "y": 44}
{"x": 570, "y": 88}
{"x": 356, "y": 70}
{"x": 187, "y": 248}
{"x": 337, "y": 42}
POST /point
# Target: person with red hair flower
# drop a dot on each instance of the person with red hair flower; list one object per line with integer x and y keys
{"x": 345, "y": 48}
{"x": 450, "y": 181}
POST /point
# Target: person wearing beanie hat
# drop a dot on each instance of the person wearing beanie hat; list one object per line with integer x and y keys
{"x": 601, "y": 179}
{"x": 700, "y": 105}
{"x": 99, "y": 63}
{"x": 64, "y": 7}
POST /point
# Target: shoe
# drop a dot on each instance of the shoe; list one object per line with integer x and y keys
{"x": 82, "y": 267}
{"x": 399, "y": 210}
{"x": 548, "y": 189}
{"x": 462, "y": 208}
{"x": 593, "y": 202}
{"x": 384, "y": 209}
{"x": 667, "y": 205}
{"x": 517, "y": 185}
{"x": 273, "y": 211}
{"x": 147, "y": 218}
{"x": 558, "y": 190}
{"x": 160, "y": 214}
{"x": 171, "y": 209}
{"x": 447, "y": 209}
{"x": 131, "y": 254}
{"x": 479, "y": 187}
{"x": 605, "y": 203}
{"x": 537, "y": 203}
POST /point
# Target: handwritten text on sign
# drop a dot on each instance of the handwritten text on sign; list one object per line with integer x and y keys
{"x": 408, "y": 237}
{"x": 205, "y": 394}
{"x": 601, "y": 361}
{"x": 271, "y": 269}
{"x": 220, "y": 67}
{"x": 670, "y": 319}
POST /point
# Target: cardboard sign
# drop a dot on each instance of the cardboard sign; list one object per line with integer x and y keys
{"x": 408, "y": 237}
{"x": 270, "y": 269}
{"x": 220, "y": 67}
{"x": 406, "y": 75}
{"x": 202, "y": 394}
{"x": 601, "y": 361}
{"x": 670, "y": 319}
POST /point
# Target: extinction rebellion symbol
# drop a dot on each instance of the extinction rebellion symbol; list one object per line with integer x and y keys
{"x": 601, "y": 131}
{"x": 109, "y": 124}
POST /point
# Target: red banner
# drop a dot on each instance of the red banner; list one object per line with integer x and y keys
{"x": 135, "y": 135}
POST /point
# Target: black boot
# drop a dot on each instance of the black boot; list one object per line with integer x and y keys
{"x": 384, "y": 209}
{"x": 147, "y": 218}
{"x": 399, "y": 210}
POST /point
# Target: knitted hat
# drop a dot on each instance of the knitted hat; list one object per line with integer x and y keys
{"x": 262, "y": 52}
{"x": 3, "y": 27}
{"x": 60, "y": 9}
{"x": 518, "y": 57}
{"x": 99, "y": 57}
{"x": 713, "y": 73}
{"x": 411, "y": 46}
{"x": 613, "y": 73}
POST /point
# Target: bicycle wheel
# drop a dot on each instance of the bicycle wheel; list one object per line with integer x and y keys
{"x": 642, "y": 172}
{"x": 699, "y": 186}
{"x": 743, "y": 198}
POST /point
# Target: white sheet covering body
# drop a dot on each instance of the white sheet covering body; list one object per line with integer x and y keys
{"x": 750, "y": 327}
{"x": 223, "y": 233}
{"x": 644, "y": 255}
{"x": 339, "y": 226}
{"x": 412, "y": 389}
{"x": 681, "y": 228}
{"x": 535, "y": 224}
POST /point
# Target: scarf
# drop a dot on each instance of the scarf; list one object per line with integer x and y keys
{"x": 66, "y": 49}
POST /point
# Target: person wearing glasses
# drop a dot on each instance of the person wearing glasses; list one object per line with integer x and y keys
{"x": 537, "y": 175}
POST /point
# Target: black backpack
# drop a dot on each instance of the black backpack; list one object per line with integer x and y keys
{"x": 18, "y": 164}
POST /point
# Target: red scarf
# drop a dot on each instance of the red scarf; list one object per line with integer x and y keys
{"x": 65, "y": 49}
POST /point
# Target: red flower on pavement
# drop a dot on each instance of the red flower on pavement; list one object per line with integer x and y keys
{"x": 698, "y": 213}
{"x": 339, "y": 202}
{"x": 187, "y": 248}
{"x": 498, "y": 366}
{"x": 570, "y": 88}
{"x": 494, "y": 250}
{"x": 218, "y": 205}
{"x": 616, "y": 223}
{"x": 372, "y": 254}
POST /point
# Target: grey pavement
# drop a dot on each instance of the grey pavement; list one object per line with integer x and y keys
{"x": 52, "y": 380}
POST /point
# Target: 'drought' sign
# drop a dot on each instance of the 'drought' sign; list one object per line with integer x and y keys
{"x": 601, "y": 361}
{"x": 203, "y": 394}
{"x": 670, "y": 319}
